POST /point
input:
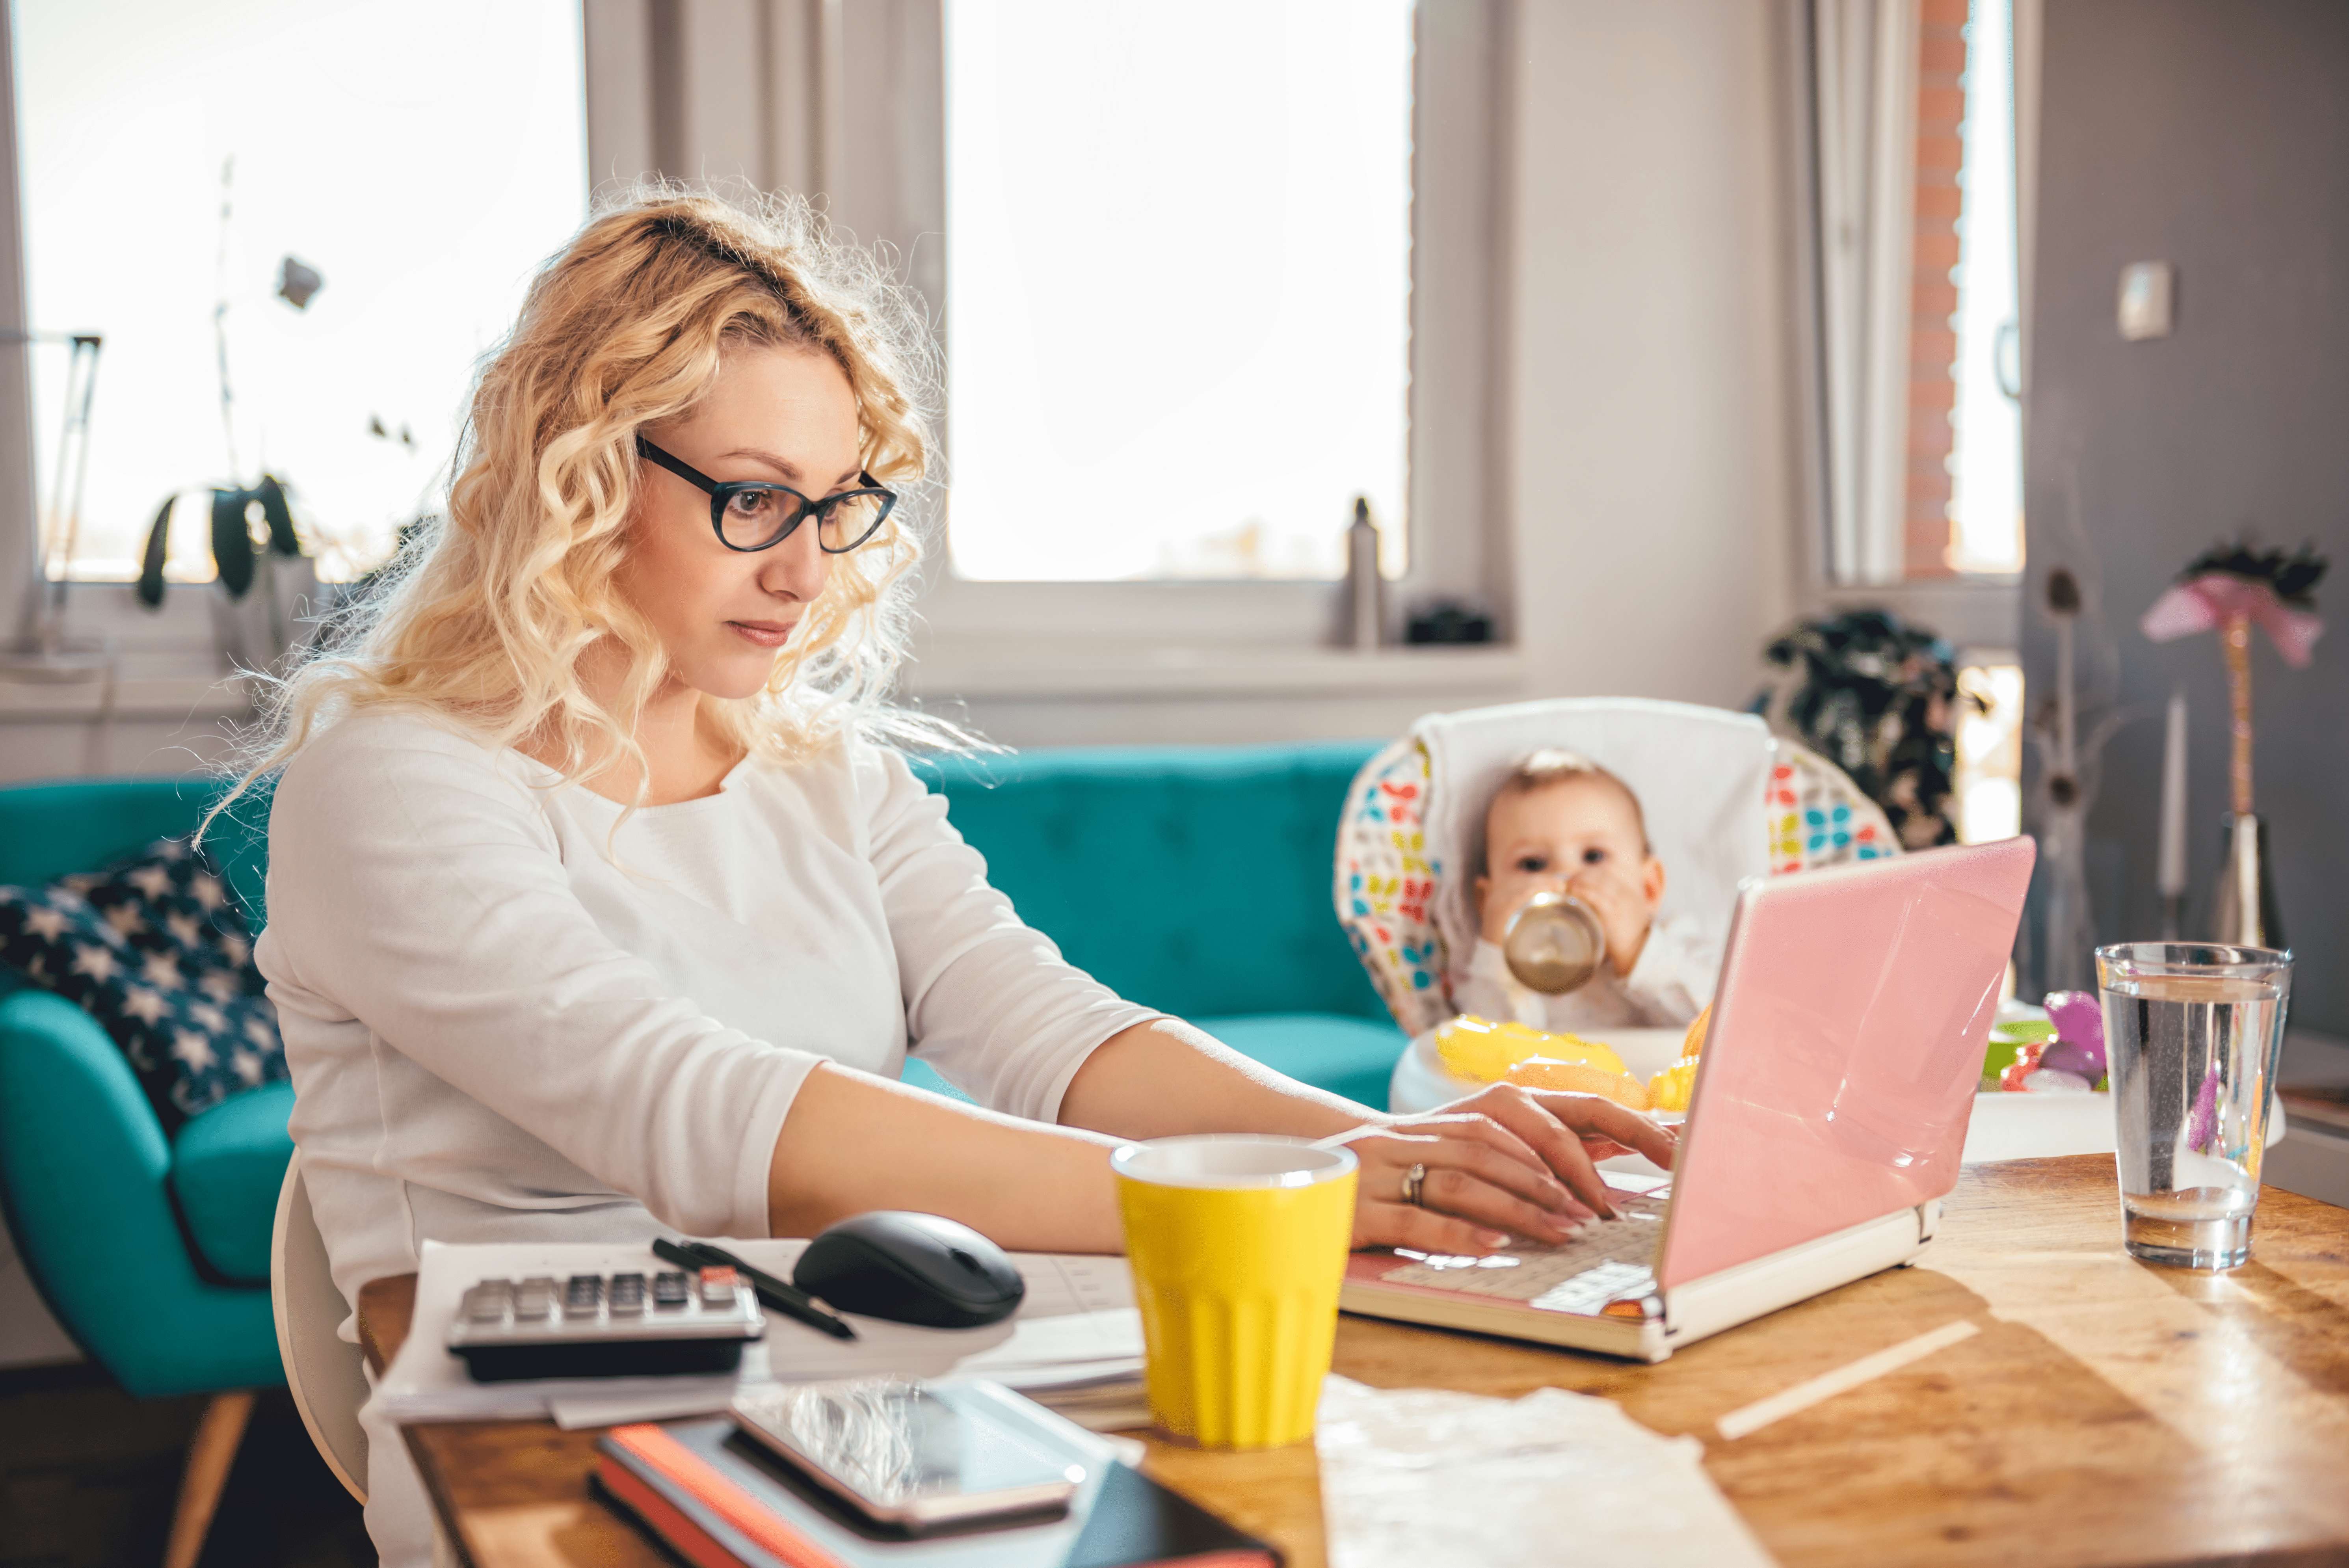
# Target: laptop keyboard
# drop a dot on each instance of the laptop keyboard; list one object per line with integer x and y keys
{"x": 1604, "y": 1259}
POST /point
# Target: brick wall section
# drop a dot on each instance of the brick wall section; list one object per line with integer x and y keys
{"x": 1932, "y": 340}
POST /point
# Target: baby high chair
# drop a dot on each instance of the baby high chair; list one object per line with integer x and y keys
{"x": 1724, "y": 800}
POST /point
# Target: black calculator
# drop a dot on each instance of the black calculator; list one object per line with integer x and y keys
{"x": 605, "y": 1325}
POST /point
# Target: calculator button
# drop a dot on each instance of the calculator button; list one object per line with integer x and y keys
{"x": 535, "y": 1299}
{"x": 718, "y": 1287}
{"x": 670, "y": 1290}
{"x": 487, "y": 1302}
{"x": 627, "y": 1294}
{"x": 583, "y": 1295}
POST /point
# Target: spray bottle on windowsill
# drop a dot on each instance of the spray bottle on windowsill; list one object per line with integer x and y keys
{"x": 1365, "y": 606}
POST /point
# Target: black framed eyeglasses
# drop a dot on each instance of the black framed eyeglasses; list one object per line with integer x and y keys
{"x": 749, "y": 515}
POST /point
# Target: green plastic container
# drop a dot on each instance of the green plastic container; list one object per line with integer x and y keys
{"x": 2006, "y": 1042}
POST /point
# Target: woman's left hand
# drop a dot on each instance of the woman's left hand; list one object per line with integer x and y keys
{"x": 1504, "y": 1161}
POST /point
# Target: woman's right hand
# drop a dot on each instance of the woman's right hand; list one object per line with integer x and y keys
{"x": 1506, "y": 1161}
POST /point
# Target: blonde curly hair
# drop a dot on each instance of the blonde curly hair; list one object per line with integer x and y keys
{"x": 484, "y": 616}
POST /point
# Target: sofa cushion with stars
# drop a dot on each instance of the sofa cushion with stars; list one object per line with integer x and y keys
{"x": 155, "y": 950}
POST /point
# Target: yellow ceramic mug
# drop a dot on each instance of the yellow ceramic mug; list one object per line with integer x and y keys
{"x": 1238, "y": 1245}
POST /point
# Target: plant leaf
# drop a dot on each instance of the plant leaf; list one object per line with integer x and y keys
{"x": 282, "y": 539}
{"x": 232, "y": 540}
{"x": 150, "y": 569}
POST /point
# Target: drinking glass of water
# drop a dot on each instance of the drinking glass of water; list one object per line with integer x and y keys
{"x": 2193, "y": 1032}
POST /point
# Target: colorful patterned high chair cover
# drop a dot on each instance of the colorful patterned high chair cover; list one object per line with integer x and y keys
{"x": 1388, "y": 880}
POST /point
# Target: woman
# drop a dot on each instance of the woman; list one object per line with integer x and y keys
{"x": 600, "y": 903}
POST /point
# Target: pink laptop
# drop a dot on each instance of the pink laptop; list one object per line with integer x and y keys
{"x": 1823, "y": 1130}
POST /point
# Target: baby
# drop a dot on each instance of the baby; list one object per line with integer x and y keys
{"x": 1560, "y": 823}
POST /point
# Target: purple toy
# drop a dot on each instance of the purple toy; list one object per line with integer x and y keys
{"x": 2202, "y": 1129}
{"x": 2079, "y": 1047}
{"x": 2066, "y": 1057}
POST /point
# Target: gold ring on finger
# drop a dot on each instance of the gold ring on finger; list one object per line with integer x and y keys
{"x": 1412, "y": 1180}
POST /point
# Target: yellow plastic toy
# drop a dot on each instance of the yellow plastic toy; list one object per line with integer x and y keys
{"x": 1481, "y": 1049}
{"x": 1693, "y": 1046}
{"x": 1582, "y": 1078}
{"x": 1670, "y": 1089}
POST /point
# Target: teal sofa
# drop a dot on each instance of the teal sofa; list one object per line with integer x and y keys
{"x": 1192, "y": 881}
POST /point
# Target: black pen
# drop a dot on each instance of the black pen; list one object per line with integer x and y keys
{"x": 785, "y": 1298}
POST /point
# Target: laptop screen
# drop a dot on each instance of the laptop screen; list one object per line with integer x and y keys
{"x": 1844, "y": 1052}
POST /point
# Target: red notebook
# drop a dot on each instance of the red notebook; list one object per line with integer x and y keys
{"x": 720, "y": 1502}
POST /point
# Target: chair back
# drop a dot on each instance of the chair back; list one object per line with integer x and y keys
{"x": 1724, "y": 800}
{"x": 325, "y": 1373}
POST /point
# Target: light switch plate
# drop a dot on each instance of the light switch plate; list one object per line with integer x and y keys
{"x": 2148, "y": 289}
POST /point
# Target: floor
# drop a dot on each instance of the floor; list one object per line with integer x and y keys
{"x": 87, "y": 1475}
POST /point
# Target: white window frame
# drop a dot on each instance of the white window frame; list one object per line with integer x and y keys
{"x": 167, "y": 660}
{"x": 880, "y": 151}
{"x": 20, "y": 512}
{"x": 1851, "y": 540}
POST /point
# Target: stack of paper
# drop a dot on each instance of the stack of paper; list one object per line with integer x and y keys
{"x": 1075, "y": 1343}
{"x": 1422, "y": 1476}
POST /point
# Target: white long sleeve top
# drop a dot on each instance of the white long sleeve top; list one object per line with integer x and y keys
{"x": 1668, "y": 984}
{"x": 511, "y": 1013}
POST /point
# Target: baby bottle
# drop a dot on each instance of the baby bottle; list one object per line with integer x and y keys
{"x": 1553, "y": 944}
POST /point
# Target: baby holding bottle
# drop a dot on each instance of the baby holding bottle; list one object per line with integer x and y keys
{"x": 1559, "y": 823}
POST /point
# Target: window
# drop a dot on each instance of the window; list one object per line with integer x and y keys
{"x": 1985, "y": 468}
{"x": 1917, "y": 151}
{"x": 1989, "y": 774}
{"x": 419, "y": 156}
{"x": 1918, "y": 288}
{"x": 1176, "y": 356}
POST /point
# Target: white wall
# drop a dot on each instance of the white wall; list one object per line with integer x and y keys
{"x": 29, "y": 1336}
{"x": 1652, "y": 410}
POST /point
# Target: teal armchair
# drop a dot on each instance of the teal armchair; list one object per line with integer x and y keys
{"x": 152, "y": 1252}
{"x": 148, "y": 1249}
{"x": 1192, "y": 880}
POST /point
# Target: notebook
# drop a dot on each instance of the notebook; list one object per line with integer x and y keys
{"x": 718, "y": 1500}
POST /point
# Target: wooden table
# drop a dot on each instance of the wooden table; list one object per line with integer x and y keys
{"x": 2107, "y": 1412}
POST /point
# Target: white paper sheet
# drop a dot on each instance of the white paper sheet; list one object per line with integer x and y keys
{"x": 1422, "y": 1476}
{"x": 1076, "y": 1328}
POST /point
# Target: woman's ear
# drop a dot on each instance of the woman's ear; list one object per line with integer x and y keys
{"x": 1484, "y": 885}
{"x": 1651, "y": 881}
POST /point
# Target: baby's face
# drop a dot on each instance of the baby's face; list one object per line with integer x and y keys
{"x": 1542, "y": 840}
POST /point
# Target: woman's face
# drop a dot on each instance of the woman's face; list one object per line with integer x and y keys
{"x": 778, "y": 416}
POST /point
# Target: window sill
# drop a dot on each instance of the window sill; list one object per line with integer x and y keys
{"x": 1017, "y": 670}
{"x": 1008, "y": 670}
{"x": 1972, "y": 613}
{"x": 167, "y": 697}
